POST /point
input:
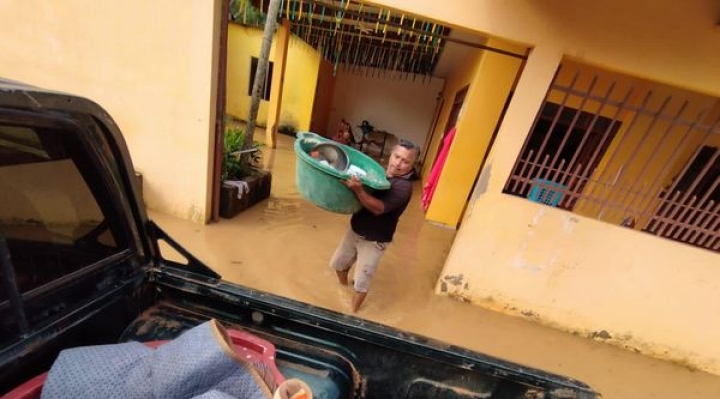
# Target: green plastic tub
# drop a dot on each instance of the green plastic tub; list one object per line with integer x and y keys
{"x": 321, "y": 184}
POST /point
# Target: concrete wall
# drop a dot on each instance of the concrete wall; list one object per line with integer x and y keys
{"x": 399, "y": 106}
{"x": 301, "y": 75}
{"x": 151, "y": 64}
{"x": 562, "y": 269}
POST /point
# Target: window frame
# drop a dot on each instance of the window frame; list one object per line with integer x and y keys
{"x": 254, "y": 62}
{"x": 116, "y": 266}
{"x": 644, "y": 180}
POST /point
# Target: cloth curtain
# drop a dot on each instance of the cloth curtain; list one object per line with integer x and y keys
{"x": 436, "y": 171}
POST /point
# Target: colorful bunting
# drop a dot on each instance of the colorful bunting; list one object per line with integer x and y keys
{"x": 391, "y": 48}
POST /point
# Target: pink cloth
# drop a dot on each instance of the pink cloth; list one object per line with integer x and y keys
{"x": 437, "y": 168}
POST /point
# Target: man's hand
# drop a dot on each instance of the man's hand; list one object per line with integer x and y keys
{"x": 353, "y": 184}
{"x": 371, "y": 203}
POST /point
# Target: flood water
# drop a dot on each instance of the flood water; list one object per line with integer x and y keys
{"x": 283, "y": 245}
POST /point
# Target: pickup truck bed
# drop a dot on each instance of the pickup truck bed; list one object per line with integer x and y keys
{"x": 341, "y": 356}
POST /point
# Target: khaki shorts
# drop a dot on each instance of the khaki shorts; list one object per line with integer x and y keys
{"x": 365, "y": 254}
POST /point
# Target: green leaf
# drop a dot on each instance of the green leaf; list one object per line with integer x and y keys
{"x": 233, "y": 167}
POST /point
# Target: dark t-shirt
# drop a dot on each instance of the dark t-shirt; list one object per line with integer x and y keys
{"x": 382, "y": 227}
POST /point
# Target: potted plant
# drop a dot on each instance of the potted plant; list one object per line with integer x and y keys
{"x": 244, "y": 182}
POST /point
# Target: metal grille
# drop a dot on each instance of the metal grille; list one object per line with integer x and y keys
{"x": 626, "y": 151}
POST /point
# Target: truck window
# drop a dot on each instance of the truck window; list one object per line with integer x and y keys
{"x": 51, "y": 210}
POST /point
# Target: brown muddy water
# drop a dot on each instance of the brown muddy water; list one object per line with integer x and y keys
{"x": 283, "y": 246}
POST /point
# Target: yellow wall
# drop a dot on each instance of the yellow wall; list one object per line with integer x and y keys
{"x": 151, "y": 64}
{"x": 586, "y": 276}
{"x": 301, "y": 77}
{"x": 462, "y": 76}
{"x": 493, "y": 79}
{"x": 243, "y": 43}
{"x": 563, "y": 269}
{"x": 301, "y": 73}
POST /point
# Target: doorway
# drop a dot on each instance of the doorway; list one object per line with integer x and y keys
{"x": 456, "y": 108}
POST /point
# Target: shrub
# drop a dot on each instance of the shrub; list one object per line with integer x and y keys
{"x": 233, "y": 167}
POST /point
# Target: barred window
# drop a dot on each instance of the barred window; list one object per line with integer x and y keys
{"x": 626, "y": 151}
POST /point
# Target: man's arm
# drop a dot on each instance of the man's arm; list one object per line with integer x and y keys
{"x": 372, "y": 204}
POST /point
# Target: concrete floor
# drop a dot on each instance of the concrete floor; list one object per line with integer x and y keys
{"x": 283, "y": 245}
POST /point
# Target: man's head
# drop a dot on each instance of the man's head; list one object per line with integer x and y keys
{"x": 402, "y": 158}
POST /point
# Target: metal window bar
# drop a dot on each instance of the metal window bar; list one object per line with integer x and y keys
{"x": 689, "y": 214}
{"x": 571, "y": 126}
{"x": 690, "y": 218}
{"x": 686, "y": 197}
{"x": 648, "y": 133}
{"x": 522, "y": 150}
{"x": 615, "y": 152}
{"x": 551, "y": 128}
{"x": 704, "y": 219}
{"x": 641, "y": 110}
{"x": 705, "y": 139}
{"x": 713, "y": 236}
{"x": 591, "y": 127}
{"x": 656, "y": 184}
{"x": 584, "y": 177}
{"x": 674, "y": 189}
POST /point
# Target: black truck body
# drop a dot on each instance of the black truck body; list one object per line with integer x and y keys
{"x": 80, "y": 264}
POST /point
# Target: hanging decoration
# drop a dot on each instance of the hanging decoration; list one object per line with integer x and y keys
{"x": 362, "y": 38}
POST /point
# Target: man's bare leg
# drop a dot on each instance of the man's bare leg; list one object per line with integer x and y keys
{"x": 358, "y": 298}
{"x": 342, "y": 277}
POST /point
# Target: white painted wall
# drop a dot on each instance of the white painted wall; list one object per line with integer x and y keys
{"x": 399, "y": 106}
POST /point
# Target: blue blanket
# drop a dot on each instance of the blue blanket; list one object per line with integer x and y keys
{"x": 201, "y": 363}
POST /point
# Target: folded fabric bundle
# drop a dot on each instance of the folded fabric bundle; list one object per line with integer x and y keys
{"x": 242, "y": 186}
{"x": 356, "y": 171}
{"x": 200, "y": 363}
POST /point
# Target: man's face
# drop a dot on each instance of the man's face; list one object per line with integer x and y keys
{"x": 401, "y": 162}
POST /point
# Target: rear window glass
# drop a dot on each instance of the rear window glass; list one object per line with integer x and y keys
{"x": 49, "y": 215}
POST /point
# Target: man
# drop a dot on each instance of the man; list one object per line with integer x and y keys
{"x": 372, "y": 228}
